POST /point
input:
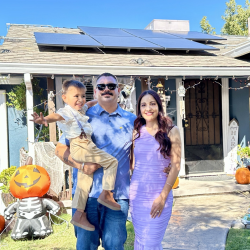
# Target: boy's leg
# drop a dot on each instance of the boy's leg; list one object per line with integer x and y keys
{"x": 87, "y": 240}
{"x": 84, "y": 183}
{"x": 113, "y": 226}
{"x": 84, "y": 150}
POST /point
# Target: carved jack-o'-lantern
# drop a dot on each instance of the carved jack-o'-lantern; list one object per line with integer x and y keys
{"x": 29, "y": 181}
{"x": 242, "y": 176}
{"x": 176, "y": 183}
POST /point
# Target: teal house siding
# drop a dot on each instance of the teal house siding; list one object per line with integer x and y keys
{"x": 239, "y": 108}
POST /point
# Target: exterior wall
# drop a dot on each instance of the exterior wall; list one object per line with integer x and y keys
{"x": 17, "y": 131}
{"x": 17, "y": 126}
{"x": 239, "y": 108}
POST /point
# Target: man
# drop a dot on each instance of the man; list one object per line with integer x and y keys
{"x": 112, "y": 132}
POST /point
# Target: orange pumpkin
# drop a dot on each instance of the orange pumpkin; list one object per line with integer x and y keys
{"x": 242, "y": 176}
{"x": 2, "y": 223}
{"x": 176, "y": 184}
{"x": 29, "y": 181}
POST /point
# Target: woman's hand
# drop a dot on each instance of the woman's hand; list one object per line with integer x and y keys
{"x": 157, "y": 206}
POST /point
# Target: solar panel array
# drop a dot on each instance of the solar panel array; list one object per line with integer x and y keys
{"x": 94, "y": 37}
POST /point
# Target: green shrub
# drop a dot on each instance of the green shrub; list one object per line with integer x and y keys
{"x": 243, "y": 152}
{"x": 5, "y": 176}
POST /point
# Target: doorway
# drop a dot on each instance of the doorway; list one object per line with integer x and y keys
{"x": 203, "y": 136}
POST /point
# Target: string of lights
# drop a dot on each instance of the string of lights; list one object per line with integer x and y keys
{"x": 214, "y": 81}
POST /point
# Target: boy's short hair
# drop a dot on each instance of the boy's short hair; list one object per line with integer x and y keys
{"x": 107, "y": 75}
{"x": 73, "y": 83}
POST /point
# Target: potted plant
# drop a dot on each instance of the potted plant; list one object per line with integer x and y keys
{"x": 5, "y": 176}
{"x": 244, "y": 155}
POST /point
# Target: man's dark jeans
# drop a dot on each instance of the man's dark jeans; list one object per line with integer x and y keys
{"x": 110, "y": 226}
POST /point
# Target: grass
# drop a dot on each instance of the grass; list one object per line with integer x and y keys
{"x": 238, "y": 239}
{"x": 63, "y": 238}
{"x": 129, "y": 245}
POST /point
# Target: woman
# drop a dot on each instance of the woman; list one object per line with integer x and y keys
{"x": 156, "y": 145}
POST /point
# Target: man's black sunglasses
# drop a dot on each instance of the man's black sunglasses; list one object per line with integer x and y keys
{"x": 111, "y": 86}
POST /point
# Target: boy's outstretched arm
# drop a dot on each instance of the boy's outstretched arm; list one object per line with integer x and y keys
{"x": 47, "y": 119}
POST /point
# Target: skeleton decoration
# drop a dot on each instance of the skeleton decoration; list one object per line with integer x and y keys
{"x": 125, "y": 97}
{"x": 29, "y": 183}
{"x": 32, "y": 221}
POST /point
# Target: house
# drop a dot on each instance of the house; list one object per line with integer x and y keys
{"x": 216, "y": 82}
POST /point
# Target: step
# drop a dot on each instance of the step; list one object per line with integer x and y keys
{"x": 192, "y": 187}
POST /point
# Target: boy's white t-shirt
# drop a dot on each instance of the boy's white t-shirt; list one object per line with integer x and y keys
{"x": 69, "y": 125}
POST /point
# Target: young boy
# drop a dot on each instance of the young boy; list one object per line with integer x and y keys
{"x": 74, "y": 123}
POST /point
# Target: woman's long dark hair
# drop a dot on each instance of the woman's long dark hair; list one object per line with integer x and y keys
{"x": 164, "y": 123}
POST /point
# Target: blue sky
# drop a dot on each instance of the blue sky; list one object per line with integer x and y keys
{"x": 110, "y": 13}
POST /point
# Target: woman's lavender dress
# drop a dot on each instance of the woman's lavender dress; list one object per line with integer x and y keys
{"x": 146, "y": 185}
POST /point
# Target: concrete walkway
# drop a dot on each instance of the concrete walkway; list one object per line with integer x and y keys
{"x": 203, "y": 212}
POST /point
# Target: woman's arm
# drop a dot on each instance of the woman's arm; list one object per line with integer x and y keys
{"x": 63, "y": 153}
{"x": 159, "y": 202}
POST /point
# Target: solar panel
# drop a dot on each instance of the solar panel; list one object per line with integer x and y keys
{"x": 56, "y": 39}
{"x": 194, "y": 35}
{"x": 150, "y": 33}
{"x": 127, "y": 38}
{"x": 179, "y": 44}
{"x": 99, "y": 31}
{"x": 125, "y": 42}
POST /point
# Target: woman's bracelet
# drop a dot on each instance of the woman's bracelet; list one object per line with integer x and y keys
{"x": 169, "y": 184}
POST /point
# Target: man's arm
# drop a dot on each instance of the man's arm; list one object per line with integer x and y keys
{"x": 91, "y": 103}
{"x": 62, "y": 151}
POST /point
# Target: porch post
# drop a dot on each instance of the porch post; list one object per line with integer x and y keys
{"x": 58, "y": 86}
{"x": 225, "y": 117}
{"x": 178, "y": 82}
{"x": 29, "y": 107}
{"x": 4, "y": 154}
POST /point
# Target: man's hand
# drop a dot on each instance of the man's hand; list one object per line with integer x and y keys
{"x": 39, "y": 119}
{"x": 167, "y": 169}
{"x": 90, "y": 168}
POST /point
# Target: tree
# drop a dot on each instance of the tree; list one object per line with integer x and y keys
{"x": 206, "y": 27}
{"x": 236, "y": 19}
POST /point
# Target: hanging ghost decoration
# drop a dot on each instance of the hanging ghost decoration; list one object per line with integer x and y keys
{"x": 29, "y": 183}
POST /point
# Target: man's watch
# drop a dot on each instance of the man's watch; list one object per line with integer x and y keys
{"x": 82, "y": 167}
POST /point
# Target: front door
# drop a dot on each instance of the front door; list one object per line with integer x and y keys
{"x": 203, "y": 136}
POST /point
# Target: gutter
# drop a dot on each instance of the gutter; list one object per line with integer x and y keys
{"x": 22, "y": 68}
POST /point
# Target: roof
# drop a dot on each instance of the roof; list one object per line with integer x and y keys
{"x": 25, "y": 50}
